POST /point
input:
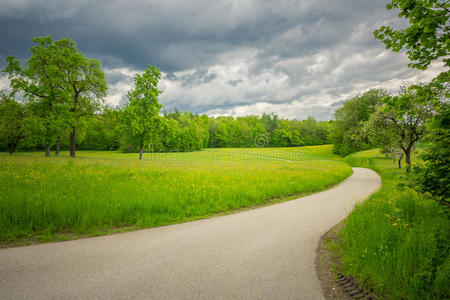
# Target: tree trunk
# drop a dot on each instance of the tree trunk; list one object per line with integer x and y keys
{"x": 11, "y": 148}
{"x": 400, "y": 161}
{"x": 141, "y": 150}
{"x": 408, "y": 160}
{"x": 72, "y": 142}
{"x": 58, "y": 146}
{"x": 47, "y": 150}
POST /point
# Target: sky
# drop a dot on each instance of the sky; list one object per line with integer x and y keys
{"x": 294, "y": 58}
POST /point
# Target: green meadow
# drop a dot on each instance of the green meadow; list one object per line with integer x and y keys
{"x": 397, "y": 241}
{"x": 101, "y": 192}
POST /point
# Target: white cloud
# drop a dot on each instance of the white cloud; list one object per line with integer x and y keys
{"x": 120, "y": 81}
{"x": 4, "y": 82}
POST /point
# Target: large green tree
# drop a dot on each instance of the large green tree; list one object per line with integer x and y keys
{"x": 405, "y": 116}
{"x": 348, "y": 134}
{"x": 384, "y": 136}
{"x": 141, "y": 115}
{"x": 400, "y": 123}
{"x": 40, "y": 81}
{"x": 83, "y": 82}
{"x": 63, "y": 84}
{"x": 432, "y": 176}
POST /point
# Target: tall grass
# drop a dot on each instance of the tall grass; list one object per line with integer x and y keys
{"x": 40, "y": 197}
{"x": 396, "y": 242}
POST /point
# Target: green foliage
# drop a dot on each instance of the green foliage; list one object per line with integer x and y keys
{"x": 103, "y": 131}
{"x": 403, "y": 118}
{"x": 85, "y": 85}
{"x": 426, "y": 38}
{"x": 286, "y": 135}
{"x": 184, "y": 131}
{"x": 349, "y": 134}
{"x": 62, "y": 85}
{"x": 12, "y": 118}
{"x": 397, "y": 241}
{"x": 383, "y": 136}
{"x": 106, "y": 190}
{"x": 40, "y": 83}
{"x": 433, "y": 175}
{"x": 141, "y": 115}
{"x": 275, "y": 132}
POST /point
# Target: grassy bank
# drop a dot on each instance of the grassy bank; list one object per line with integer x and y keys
{"x": 396, "y": 242}
{"x": 46, "y": 198}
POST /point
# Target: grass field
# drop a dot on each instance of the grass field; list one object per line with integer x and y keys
{"x": 99, "y": 192}
{"x": 397, "y": 242}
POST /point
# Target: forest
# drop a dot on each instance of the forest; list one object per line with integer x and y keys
{"x": 180, "y": 131}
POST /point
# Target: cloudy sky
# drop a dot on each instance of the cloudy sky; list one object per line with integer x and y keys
{"x": 225, "y": 57}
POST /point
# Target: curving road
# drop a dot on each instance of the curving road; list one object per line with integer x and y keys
{"x": 265, "y": 253}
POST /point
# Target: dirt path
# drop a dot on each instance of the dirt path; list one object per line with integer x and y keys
{"x": 265, "y": 253}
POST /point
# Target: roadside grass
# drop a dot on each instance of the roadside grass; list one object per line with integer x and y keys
{"x": 99, "y": 192}
{"x": 397, "y": 241}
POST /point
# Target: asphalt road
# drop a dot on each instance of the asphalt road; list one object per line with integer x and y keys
{"x": 264, "y": 253}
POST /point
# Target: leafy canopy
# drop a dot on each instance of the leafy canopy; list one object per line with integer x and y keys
{"x": 12, "y": 116}
{"x": 61, "y": 84}
{"x": 426, "y": 38}
{"x": 141, "y": 115}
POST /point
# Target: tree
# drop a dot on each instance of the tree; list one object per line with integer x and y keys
{"x": 348, "y": 135}
{"x": 83, "y": 82}
{"x": 404, "y": 116}
{"x": 426, "y": 38}
{"x": 141, "y": 115}
{"x": 432, "y": 176}
{"x": 222, "y": 134}
{"x": 103, "y": 131}
{"x": 12, "y": 116}
{"x": 286, "y": 135}
{"x": 384, "y": 136}
{"x": 40, "y": 82}
{"x": 270, "y": 122}
{"x": 63, "y": 84}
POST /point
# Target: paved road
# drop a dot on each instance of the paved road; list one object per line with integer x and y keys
{"x": 265, "y": 253}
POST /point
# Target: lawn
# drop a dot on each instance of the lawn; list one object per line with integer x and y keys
{"x": 396, "y": 242}
{"x": 101, "y": 192}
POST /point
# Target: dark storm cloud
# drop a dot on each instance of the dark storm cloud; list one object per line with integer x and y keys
{"x": 229, "y": 56}
{"x": 178, "y": 35}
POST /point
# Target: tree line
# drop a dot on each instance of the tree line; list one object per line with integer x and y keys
{"x": 56, "y": 101}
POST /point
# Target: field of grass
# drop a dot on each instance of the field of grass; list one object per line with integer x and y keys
{"x": 98, "y": 192}
{"x": 396, "y": 242}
